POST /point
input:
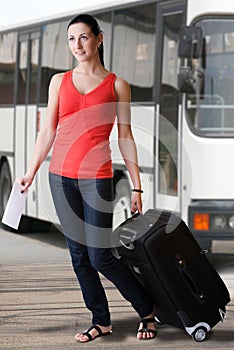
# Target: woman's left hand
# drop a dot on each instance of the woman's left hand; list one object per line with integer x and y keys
{"x": 136, "y": 203}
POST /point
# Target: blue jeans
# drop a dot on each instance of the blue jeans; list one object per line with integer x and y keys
{"x": 84, "y": 208}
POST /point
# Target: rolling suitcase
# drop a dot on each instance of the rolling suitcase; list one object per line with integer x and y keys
{"x": 162, "y": 253}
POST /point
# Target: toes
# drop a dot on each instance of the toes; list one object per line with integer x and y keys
{"x": 78, "y": 336}
{"x": 145, "y": 335}
{"x": 139, "y": 335}
{"x": 83, "y": 339}
{"x": 148, "y": 332}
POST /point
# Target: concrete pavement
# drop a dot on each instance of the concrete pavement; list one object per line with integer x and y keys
{"x": 42, "y": 308}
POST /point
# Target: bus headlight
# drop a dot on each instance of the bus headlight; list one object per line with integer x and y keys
{"x": 231, "y": 221}
{"x": 220, "y": 221}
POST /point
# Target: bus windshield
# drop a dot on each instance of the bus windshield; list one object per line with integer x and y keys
{"x": 210, "y": 109}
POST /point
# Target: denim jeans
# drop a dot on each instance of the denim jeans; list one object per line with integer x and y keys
{"x": 84, "y": 208}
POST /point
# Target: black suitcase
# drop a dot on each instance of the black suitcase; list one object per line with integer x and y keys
{"x": 162, "y": 253}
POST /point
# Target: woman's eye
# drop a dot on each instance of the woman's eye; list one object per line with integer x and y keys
{"x": 83, "y": 37}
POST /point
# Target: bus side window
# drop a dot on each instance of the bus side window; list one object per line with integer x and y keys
{"x": 56, "y": 56}
{"x": 168, "y": 138}
{"x": 7, "y": 67}
{"x": 134, "y": 49}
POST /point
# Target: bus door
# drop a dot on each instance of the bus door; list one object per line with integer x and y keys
{"x": 27, "y": 85}
{"x": 168, "y": 107}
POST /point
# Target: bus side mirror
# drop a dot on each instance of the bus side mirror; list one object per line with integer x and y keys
{"x": 191, "y": 47}
{"x": 191, "y": 42}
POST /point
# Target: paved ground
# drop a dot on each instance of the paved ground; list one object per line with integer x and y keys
{"x": 41, "y": 305}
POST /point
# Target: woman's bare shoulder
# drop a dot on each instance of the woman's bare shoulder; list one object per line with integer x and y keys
{"x": 120, "y": 82}
{"x": 57, "y": 78}
{"x": 56, "y": 81}
{"x": 122, "y": 89}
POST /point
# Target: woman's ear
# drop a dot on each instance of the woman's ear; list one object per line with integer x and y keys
{"x": 100, "y": 38}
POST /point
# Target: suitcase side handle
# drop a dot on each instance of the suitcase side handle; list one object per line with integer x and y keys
{"x": 189, "y": 279}
{"x": 127, "y": 237}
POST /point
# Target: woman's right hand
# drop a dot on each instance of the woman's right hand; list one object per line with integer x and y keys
{"x": 25, "y": 181}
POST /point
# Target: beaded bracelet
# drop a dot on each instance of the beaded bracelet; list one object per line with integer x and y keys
{"x": 137, "y": 190}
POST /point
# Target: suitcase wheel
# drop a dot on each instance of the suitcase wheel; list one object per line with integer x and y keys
{"x": 199, "y": 334}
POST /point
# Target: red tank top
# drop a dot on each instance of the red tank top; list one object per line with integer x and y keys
{"x": 82, "y": 148}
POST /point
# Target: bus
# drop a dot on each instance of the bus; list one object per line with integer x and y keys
{"x": 178, "y": 57}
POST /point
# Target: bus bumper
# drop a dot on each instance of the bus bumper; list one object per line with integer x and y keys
{"x": 211, "y": 220}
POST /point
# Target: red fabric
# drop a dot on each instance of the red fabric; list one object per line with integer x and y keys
{"x": 81, "y": 148}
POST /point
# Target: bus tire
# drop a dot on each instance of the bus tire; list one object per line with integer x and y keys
{"x": 5, "y": 186}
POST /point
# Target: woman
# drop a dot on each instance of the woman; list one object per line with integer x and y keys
{"x": 82, "y": 106}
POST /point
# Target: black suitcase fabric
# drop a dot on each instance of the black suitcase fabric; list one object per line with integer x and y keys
{"x": 162, "y": 253}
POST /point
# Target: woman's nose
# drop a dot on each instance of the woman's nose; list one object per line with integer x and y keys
{"x": 79, "y": 43}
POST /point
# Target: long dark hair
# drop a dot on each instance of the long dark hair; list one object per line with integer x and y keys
{"x": 94, "y": 26}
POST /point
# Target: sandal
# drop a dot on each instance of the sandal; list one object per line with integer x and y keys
{"x": 87, "y": 333}
{"x": 145, "y": 329}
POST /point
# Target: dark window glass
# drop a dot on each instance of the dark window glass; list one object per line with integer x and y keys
{"x": 22, "y": 72}
{"x": 34, "y": 71}
{"x": 7, "y": 67}
{"x": 104, "y": 21}
{"x": 134, "y": 49}
{"x": 56, "y": 56}
{"x": 169, "y": 104}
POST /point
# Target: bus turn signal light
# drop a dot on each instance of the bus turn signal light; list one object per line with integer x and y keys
{"x": 201, "y": 221}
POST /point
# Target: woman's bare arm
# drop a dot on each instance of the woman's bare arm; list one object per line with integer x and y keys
{"x": 126, "y": 140}
{"x": 47, "y": 134}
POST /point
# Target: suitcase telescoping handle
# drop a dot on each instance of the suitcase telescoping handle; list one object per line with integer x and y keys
{"x": 132, "y": 218}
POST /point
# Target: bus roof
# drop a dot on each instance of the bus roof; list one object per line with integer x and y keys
{"x": 81, "y": 8}
{"x": 200, "y": 7}
{"x": 195, "y": 8}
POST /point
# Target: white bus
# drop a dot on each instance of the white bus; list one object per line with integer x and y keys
{"x": 178, "y": 56}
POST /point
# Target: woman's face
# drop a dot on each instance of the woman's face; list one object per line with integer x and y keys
{"x": 82, "y": 42}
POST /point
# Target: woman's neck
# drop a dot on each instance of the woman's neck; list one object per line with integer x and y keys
{"x": 88, "y": 68}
